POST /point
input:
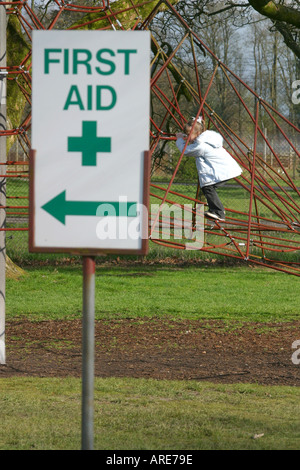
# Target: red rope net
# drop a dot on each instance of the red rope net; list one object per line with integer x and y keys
{"x": 266, "y": 230}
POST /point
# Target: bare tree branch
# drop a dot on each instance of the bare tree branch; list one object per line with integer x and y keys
{"x": 286, "y": 20}
{"x": 229, "y": 7}
{"x": 288, "y": 37}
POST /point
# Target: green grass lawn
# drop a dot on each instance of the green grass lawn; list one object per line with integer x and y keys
{"x": 134, "y": 414}
{"x": 226, "y": 293}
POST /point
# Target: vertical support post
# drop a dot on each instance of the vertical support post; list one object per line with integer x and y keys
{"x": 265, "y": 145}
{"x": 88, "y": 346}
{"x": 252, "y": 179}
{"x": 2, "y": 178}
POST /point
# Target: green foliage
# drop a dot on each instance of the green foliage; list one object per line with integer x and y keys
{"x": 125, "y": 16}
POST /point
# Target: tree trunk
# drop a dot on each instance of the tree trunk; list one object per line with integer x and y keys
{"x": 17, "y": 49}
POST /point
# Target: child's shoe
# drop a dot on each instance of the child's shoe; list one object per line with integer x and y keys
{"x": 211, "y": 215}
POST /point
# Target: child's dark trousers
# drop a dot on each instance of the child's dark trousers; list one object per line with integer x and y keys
{"x": 213, "y": 200}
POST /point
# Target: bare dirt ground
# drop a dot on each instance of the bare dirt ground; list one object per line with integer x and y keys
{"x": 155, "y": 348}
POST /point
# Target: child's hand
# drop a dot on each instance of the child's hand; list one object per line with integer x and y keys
{"x": 180, "y": 135}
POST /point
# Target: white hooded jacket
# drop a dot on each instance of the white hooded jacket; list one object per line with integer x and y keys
{"x": 214, "y": 163}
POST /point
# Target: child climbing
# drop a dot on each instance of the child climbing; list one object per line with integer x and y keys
{"x": 214, "y": 164}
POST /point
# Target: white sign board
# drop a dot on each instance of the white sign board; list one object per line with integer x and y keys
{"x": 90, "y": 132}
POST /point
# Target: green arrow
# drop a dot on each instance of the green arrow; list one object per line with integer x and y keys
{"x": 59, "y": 208}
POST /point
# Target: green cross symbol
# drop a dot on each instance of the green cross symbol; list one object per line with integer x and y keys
{"x": 89, "y": 144}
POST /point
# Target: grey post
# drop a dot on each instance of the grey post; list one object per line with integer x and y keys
{"x": 2, "y": 178}
{"x": 88, "y": 344}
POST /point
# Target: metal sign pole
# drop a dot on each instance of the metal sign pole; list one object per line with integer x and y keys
{"x": 88, "y": 346}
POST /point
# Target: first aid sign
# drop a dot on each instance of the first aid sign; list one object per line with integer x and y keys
{"x": 90, "y": 140}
